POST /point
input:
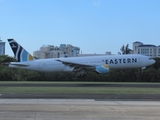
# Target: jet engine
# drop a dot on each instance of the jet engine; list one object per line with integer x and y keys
{"x": 102, "y": 69}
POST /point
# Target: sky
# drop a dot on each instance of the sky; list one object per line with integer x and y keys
{"x": 96, "y": 26}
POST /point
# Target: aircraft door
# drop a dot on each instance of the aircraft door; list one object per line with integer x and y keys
{"x": 39, "y": 65}
{"x": 139, "y": 60}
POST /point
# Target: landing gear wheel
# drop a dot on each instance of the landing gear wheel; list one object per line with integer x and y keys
{"x": 82, "y": 76}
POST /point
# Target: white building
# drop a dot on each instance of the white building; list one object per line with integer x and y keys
{"x": 51, "y": 51}
{"x": 146, "y": 49}
{"x": 2, "y": 47}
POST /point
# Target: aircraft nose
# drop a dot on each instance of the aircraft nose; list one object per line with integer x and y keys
{"x": 153, "y": 61}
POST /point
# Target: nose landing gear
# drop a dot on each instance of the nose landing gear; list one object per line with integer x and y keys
{"x": 143, "y": 68}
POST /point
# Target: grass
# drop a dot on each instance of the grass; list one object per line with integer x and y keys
{"x": 84, "y": 90}
{"x": 78, "y": 90}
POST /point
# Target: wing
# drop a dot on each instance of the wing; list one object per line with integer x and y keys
{"x": 77, "y": 66}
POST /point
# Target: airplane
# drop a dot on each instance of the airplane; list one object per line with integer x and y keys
{"x": 99, "y": 64}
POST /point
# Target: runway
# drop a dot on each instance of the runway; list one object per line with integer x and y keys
{"x": 77, "y": 109}
{"x": 106, "y": 97}
{"x": 79, "y": 106}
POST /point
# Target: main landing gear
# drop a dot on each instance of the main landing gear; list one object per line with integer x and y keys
{"x": 81, "y": 74}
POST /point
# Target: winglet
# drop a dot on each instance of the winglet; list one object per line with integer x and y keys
{"x": 20, "y": 53}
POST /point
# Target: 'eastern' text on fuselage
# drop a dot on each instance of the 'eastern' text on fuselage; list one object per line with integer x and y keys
{"x": 119, "y": 61}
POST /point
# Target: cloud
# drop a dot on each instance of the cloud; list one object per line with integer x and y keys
{"x": 96, "y": 3}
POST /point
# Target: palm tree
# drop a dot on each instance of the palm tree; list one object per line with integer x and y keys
{"x": 125, "y": 50}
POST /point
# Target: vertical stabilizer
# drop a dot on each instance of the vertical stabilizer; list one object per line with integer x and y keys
{"x": 20, "y": 53}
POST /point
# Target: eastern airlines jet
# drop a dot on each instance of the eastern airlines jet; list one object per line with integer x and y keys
{"x": 99, "y": 64}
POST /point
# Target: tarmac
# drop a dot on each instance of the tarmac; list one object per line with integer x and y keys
{"x": 106, "y": 97}
{"x": 78, "y": 109}
{"x": 80, "y": 106}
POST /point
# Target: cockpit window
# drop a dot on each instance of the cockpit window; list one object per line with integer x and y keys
{"x": 150, "y": 58}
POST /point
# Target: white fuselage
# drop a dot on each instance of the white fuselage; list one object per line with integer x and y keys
{"x": 113, "y": 61}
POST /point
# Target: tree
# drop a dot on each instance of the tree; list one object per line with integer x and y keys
{"x": 5, "y": 72}
{"x": 6, "y": 59}
{"x": 125, "y": 50}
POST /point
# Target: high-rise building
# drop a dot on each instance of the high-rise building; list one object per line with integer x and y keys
{"x": 2, "y": 47}
{"x": 50, "y": 51}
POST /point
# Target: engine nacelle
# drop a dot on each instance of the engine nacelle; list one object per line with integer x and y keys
{"x": 102, "y": 69}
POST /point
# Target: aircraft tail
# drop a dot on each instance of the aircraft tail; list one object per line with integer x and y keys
{"x": 20, "y": 53}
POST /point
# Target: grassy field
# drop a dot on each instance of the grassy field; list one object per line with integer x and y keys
{"x": 84, "y": 90}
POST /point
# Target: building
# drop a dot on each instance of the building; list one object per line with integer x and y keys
{"x": 50, "y": 51}
{"x": 2, "y": 47}
{"x": 146, "y": 49}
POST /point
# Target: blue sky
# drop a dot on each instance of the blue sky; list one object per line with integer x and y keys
{"x": 96, "y": 26}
